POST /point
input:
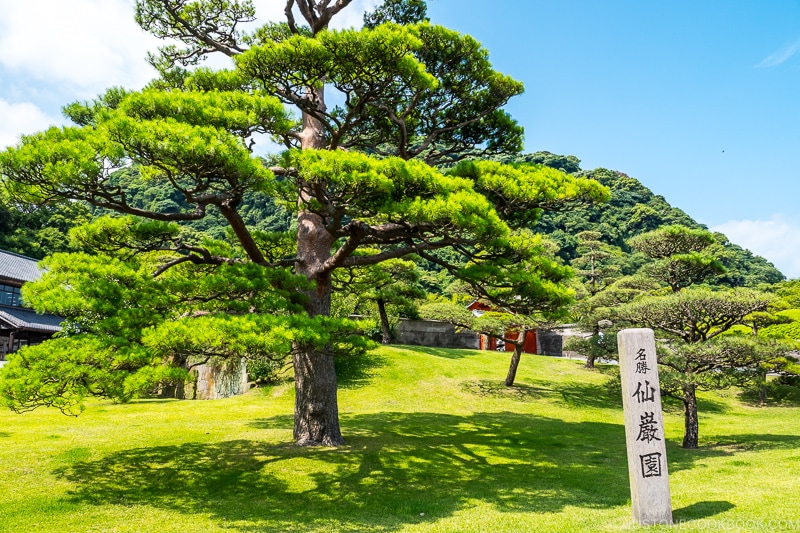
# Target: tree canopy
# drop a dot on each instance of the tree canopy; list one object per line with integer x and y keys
{"x": 357, "y": 177}
{"x": 694, "y": 320}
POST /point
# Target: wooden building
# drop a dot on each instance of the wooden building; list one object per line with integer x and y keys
{"x": 20, "y": 326}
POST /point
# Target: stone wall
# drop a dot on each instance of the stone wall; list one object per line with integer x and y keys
{"x": 443, "y": 335}
{"x": 434, "y": 334}
{"x": 219, "y": 381}
{"x": 549, "y": 343}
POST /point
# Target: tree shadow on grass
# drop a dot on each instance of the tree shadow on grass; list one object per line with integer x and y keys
{"x": 700, "y": 510}
{"x": 682, "y": 459}
{"x": 573, "y": 394}
{"x": 576, "y": 394}
{"x": 777, "y": 396}
{"x": 353, "y": 372}
{"x": 395, "y": 467}
{"x": 607, "y": 369}
{"x": 4, "y": 434}
{"x": 488, "y": 388}
{"x": 705, "y": 405}
{"x": 679, "y": 458}
{"x": 153, "y": 400}
{"x": 756, "y": 441}
{"x": 447, "y": 353}
{"x": 274, "y": 422}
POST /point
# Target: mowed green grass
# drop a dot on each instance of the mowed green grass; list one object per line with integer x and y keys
{"x": 435, "y": 443}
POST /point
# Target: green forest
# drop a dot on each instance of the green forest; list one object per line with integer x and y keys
{"x": 40, "y": 230}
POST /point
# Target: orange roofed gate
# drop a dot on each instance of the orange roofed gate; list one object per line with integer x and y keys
{"x": 487, "y": 342}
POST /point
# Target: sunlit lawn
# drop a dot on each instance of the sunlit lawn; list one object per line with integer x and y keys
{"x": 434, "y": 443}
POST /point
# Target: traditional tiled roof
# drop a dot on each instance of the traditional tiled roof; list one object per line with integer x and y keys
{"x": 18, "y": 267}
{"x": 26, "y": 319}
{"x": 15, "y": 267}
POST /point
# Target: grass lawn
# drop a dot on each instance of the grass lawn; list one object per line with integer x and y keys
{"x": 434, "y": 443}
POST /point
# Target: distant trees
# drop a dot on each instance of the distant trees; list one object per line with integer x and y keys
{"x": 695, "y": 315}
{"x": 519, "y": 304}
{"x": 676, "y": 293}
{"x": 597, "y": 266}
{"x": 394, "y": 282}
{"x": 634, "y": 209}
{"x": 39, "y": 230}
{"x": 780, "y": 325}
{"x": 510, "y": 327}
{"x": 565, "y": 163}
{"x": 789, "y": 293}
{"x": 698, "y": 357}
{"x": 680, "y": 255}
{"x": 712, "y": 365}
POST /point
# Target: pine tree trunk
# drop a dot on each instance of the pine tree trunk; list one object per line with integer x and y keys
{"x": 386, "y": 332}
{"x": 762, "y": 389}
{"x": 595, "y": 335}
{"x": 316, "y": 408}
{"x": 512, "y": 368}
{"x": 691, "y": 432}
{"x": 762, "y": 395}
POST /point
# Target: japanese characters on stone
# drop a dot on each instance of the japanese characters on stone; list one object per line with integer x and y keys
{"x": 644, "y": 428}
{"x": 649, "y": 430}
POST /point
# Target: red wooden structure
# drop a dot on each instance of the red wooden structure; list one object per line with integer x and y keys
{"x": 487, "y": 342}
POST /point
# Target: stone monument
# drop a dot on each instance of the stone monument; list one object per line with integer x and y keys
{"x": 644, "y": 427}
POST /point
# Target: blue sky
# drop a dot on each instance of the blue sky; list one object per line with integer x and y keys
{"x": 698, "y": 100}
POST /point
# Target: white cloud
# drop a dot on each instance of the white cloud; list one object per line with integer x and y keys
{"x": 776, "y": 239}
{"x": 56, "y": 51}
{"x": 20, "y": 119}
{"x": 780, "y": 56}
{"x": 86, "y": 45}
{"x": 93, "y": 44}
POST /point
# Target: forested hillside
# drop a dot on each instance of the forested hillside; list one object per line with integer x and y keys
{"x": 259, "y": 211}
{"x": 38, "y": 231}
{"x": 632, "y": 210}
